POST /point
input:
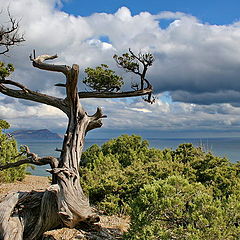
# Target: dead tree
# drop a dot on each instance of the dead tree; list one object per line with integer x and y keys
{"x": 29, "y": 215}
{"x": 10, "y": 36}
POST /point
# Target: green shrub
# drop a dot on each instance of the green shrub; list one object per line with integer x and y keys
{"x": 114, "y": 174}
{"x": 174, "y": 208}
{"x": 102, "y": 79}
{"x": 8, "y": 154}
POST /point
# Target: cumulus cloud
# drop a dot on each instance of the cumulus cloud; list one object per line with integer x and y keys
{"x": 196, "y": 63}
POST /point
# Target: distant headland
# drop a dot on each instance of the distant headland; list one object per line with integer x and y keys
{"x": 41, "y": 134}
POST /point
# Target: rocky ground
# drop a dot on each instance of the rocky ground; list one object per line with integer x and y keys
{"x": 109, "y": 227}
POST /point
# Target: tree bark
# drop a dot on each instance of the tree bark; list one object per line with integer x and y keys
{"x": 73, "y": 205}
{"x": 64, "y": 203}
{"x": 29, "y": 215}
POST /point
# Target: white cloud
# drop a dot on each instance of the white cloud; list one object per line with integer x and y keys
{"x": 172, "y": 15}
{"x": 141, "y": 110}
{"x": 196, "y": 62}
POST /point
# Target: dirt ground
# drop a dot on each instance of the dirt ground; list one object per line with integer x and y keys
{"x": 29, "y": 183}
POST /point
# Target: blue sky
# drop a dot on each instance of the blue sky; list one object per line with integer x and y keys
{"x": 210, "y": 11}
{"x": 196, "y": 74}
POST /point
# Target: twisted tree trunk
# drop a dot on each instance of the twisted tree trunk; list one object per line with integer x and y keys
{"x": 73, "y": 205}
{"x": 28, "y": 215}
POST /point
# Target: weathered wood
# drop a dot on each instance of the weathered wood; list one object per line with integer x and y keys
{"x": 29, "y": 215}
{"x": 9, "y": 36}
{"x": 10, "y": 225}
{"x": 73, "y": 205}
{"x": 136, "y": 93}
{"x": 34, "y": 96}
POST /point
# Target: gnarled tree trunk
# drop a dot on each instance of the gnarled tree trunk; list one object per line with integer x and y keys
{"x": 29, "y": 215}
{"x": 73, "y": 205}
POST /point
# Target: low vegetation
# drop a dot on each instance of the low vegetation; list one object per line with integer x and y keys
{"x": 170, "y": 194}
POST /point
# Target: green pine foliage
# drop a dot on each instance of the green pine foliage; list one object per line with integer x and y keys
{"x": 174, "y": 208}
{"x": 102, "y": 79}
{"x": 5, "y": 70}
{"x": 9, "y": 153}
{"x": 114, "y": 173}
{"x": 184, "y": 193}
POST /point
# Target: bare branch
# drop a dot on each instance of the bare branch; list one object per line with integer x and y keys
{"x": 9, "y": 36}
{"x": 27, "y": 94}
{"x": 146, "y": 60}
{"x": 60, "y": 85}
{"x": 131, "y": 63}
{"x": 42, "y": 58}
{"x": 58, "y": 150}
{"x": 32, "y": 158}
{"x": 39, "y": 62}
{"x": 97, "y": 115}
{"x": 10, "y": 82}
{"x": 94, "y": 124}
{"x": 34, "y": 96}
{"x": 136, "y": 93}
{"x": 71, "y": 74}
{"x": 95, "y": 120}
{"x": 150, "y": 98}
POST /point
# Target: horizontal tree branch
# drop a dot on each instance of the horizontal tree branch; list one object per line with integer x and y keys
{"x": 34, "y": 96}
{"x": 40, "y": 161}
{"x": 136, "y": 93}
{"x": 10, "y": 82}
{"x": 38, "y": 62}
{"x": 32, "y": 158}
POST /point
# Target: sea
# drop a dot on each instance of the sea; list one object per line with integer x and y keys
{"x": 222, "y": 147}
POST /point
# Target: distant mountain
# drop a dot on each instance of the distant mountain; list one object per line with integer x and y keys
{"x": 42, "y": 134}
